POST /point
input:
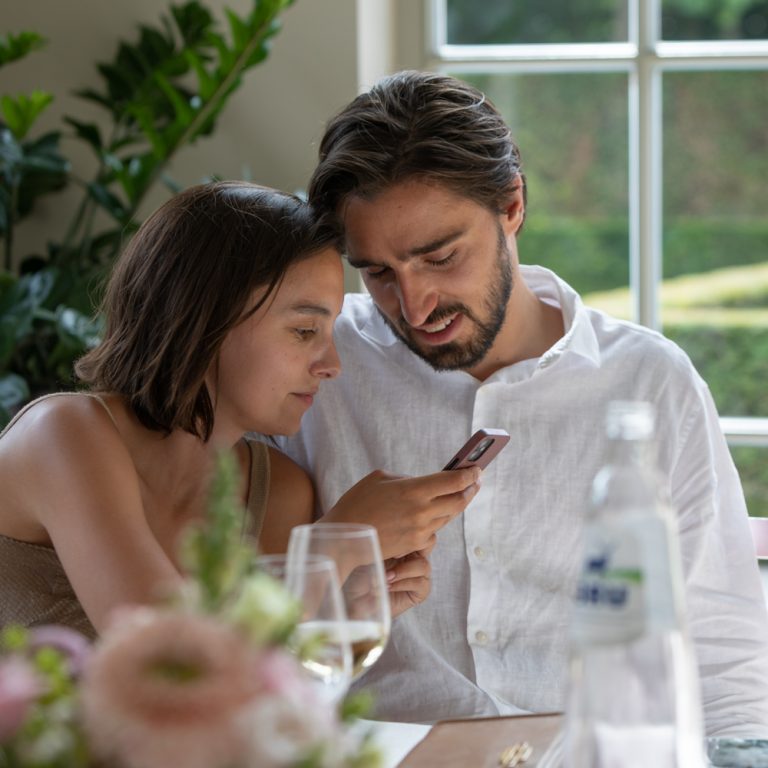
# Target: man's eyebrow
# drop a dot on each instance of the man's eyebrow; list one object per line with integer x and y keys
{"x": 436, "y": 245}
{"x": 419, "y": 250}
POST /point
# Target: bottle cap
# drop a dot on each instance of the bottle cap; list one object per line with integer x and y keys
{"x": 630, "y": 419}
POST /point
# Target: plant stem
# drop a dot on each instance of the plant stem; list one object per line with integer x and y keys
{"x": 203, "y": 114}
{"x": 8, "y": 238}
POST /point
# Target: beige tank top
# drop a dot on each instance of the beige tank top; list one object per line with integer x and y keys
{"x": 34, "y": 589}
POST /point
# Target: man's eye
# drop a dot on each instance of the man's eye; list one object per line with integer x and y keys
{"x": 442, "y": 262}
{"x": 376, "y": 272}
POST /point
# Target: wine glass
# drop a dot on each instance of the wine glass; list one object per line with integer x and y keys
{"x": 356, "y": 552}
{"x": 323, "y": 652}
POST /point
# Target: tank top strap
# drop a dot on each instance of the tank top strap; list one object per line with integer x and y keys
{"x": 258, "y": 488}
{"x": 30, "y": 405}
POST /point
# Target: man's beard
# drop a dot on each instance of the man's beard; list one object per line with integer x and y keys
{"x": 455, "y": 356}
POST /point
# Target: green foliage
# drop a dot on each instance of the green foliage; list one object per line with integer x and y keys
{"x": 13, "y": 47}
{"x": 160, "y": 92}
{"x": 214, "y": 553}
{"x": 21, "y": 112}
{"x": 592, "y": 253}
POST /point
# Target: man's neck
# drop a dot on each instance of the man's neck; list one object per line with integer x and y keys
{"x": 531, "y": 328}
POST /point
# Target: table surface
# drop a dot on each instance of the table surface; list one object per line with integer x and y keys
{"x": 396, "y": 740}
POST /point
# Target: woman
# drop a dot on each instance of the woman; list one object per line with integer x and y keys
{"x": 219, "y": 320}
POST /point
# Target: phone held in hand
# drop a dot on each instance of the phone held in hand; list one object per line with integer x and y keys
{"x": 480, "y": 449}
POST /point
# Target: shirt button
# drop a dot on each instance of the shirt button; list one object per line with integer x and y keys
{"x": 479, "y": 553}
{"x": 481, "y": 637}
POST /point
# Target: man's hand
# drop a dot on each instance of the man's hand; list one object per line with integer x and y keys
{"x": 406, "y": 511}
{"x": 409, "y": 581}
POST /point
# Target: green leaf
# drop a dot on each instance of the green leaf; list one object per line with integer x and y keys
{"x": 241, "y": 33}
{"x": 77, "y": 330}
{"x": 13, "y": 47}
{"x": 42, "y": 170}
{"x": 206, "y": 85}
{"x": 14, "y": 391}
{"x": 107, "y": 200}
{"x": 88, "y": 132}
{"x": 144, "y": 117}
{"x": 193, "y": 21}
{"x": 21, "y": 112}
{"x": 182, "y": 108}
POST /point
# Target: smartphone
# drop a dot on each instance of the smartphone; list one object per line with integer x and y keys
{"x": 480, "y": 449}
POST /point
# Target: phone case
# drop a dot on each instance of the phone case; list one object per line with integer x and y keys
{"x": 480, "y": 449}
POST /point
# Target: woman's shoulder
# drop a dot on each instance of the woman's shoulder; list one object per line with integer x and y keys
{"x": 69, "y": 417}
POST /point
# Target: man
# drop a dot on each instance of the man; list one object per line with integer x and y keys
{"x": 426, "y": 184}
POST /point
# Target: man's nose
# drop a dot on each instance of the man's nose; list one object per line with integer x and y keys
{"x": 418, "y": 299}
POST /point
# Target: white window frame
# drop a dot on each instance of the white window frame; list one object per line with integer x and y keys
{"x": 644, "y": 58}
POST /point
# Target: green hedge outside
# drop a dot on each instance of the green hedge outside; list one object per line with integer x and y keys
{"x": 714, "y": 304}
{"x": 593, "y": 254}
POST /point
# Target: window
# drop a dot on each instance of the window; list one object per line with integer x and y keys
{"x": 643, "y": 126}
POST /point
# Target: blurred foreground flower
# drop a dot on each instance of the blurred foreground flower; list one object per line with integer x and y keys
{"x": 167, "y": 688}
{"x": 204, "y": 681}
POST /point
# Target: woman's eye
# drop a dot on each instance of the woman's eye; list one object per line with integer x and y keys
{"x": 305, "y": 333}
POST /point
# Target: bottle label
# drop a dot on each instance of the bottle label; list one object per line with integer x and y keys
{"x": 610, "y": 598}
{"x": 626, "y": 588}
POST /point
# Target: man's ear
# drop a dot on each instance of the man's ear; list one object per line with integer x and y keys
{"x": 514, "y": 207}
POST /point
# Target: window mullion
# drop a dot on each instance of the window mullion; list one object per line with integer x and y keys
{"x": 646, "y": 169}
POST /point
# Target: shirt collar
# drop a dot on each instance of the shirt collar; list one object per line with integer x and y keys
{"x": 579, "y": 335}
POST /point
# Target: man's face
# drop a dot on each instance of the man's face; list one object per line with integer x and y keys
{"x": 439, "y": 267}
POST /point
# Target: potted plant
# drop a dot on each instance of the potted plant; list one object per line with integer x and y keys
{"x": 160, "y": 92}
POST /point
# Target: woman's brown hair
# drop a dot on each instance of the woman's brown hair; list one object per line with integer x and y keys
{"x": 185, "y": 280}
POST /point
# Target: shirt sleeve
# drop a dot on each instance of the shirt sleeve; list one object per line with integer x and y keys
{"x": 726, "y": 607}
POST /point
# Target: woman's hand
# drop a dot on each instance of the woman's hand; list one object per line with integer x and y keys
{"x": 409, "y": 582}
{"x": 406, "y": 511}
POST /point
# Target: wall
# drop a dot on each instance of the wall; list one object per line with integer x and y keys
{"x": 268, "y": 131}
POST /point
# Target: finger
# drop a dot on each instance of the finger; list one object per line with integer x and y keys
{"x": 408, "y": 568}
{"x": 443, "y": 483}
{"x": 450, "y": 507}
{"x": 411, "y": 565}
{"x": 418, "y": 584}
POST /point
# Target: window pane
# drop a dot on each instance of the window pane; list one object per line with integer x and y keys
{"x": 572, "y": 132}
{"x": 723, "y": 20}
{"x": 715, "y": 291}
{"x": 752, "y": 464}
{"x": 489, "y": 22}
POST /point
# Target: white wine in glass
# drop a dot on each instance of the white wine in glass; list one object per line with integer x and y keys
{"x": 356, "y": 552}
{"x": 324, "y": 652}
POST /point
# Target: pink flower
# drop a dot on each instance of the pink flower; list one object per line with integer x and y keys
{"x": 290, "y": 720}
{"x": 68, "y": 642}
{"x": 165, "y": 688}
{"x": 19, "y": 687}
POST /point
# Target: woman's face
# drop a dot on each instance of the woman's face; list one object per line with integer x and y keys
{"x": 272, "y": 364}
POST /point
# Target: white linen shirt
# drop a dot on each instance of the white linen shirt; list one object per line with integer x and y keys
{"x": 492, "y": 638}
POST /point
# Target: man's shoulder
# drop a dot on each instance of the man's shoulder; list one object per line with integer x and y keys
{"x": 628, "y": 340}
{"x": 357, "y": 308}
{"x": 359, "y": 320}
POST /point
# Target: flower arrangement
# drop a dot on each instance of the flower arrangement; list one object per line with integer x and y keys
{"x": 204, "y": 680}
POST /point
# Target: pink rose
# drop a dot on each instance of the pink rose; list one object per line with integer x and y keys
{"x": 19, "y": 687}
{"x": 169, "y": 688}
